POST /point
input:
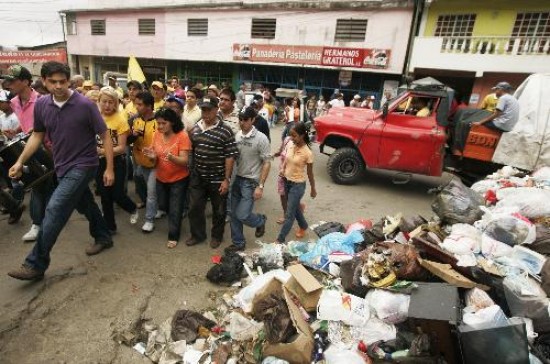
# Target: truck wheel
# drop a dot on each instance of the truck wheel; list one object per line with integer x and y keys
{"x": 345, "y": 166}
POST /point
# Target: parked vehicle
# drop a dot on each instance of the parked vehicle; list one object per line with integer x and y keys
{"x": 397, "y": 138}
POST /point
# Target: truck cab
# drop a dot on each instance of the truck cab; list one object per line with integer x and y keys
{"x": 406, "y": 135}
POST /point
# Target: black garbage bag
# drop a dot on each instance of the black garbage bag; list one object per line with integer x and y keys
{"x": 228, "y": 271}
{"x": 329, "y": 227}
{"x": 542, "y": 241}
{"x": 455, "y": 203}
{"x": 186, "y": 323}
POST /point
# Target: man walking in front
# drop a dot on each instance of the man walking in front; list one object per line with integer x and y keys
{"x": 253, "y": 166}
{"x": 214, "y": 151}
{"x": 71, "y": 123}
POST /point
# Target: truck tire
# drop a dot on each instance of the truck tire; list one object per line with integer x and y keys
{"x": 345, "y": 166}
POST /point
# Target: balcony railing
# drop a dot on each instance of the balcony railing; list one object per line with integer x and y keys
{"x": 497, "y": 45}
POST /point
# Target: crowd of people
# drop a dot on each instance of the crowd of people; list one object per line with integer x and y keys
{"x": 182, "y": 147}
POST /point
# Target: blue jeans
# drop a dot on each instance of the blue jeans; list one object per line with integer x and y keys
{"x": 294, "y": 193}
{"x": 242, "y": 204}
{"x": 150, "y": 177}
{"x": 72, "y": 193}
{"x": 170, "y": 196}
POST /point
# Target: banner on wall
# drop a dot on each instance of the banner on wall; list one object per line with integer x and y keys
{"x": 313, "y": 55}
{"x": 42, "y": 56}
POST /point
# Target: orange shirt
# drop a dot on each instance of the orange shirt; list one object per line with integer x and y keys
{"x": 167, "y": 171}
{"x": 296, "y": 161}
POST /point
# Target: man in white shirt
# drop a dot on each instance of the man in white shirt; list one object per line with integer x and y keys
{"x": 9, "y": 123}
{"x": 338, "y": 101}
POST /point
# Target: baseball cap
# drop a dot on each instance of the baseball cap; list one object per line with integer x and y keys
{"x": 157, "y": 84}
{"x": 4, "y": 96}
{"x": 357, "y": 96}
{"x": 208, "y": 102}
{"x": 503, "y": 86}
{"x": 248, "y": 113}
{"x": 18, "y": 72}
{"x": 215, "y": 88}
{"x": 176, "y": 99}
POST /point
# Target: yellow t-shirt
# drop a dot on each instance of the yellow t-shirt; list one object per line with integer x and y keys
{"x": 296, "y": 161}
{"x": 130, "y": 109}
{"x": 490, "y": 102}
{"x": 147, "y": 132}
{"x": 158, "y": 105}
{"x": 117, "y": 125}
{"x": 424, "y": 112}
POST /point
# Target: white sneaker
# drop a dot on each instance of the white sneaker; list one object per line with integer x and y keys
{"x": 32, "y": 234}
{"x": 148, "y": 227}
{"x": 160, "y": 214}
{"x": 134, "y": 218}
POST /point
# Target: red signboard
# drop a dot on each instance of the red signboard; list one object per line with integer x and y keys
{"x": 311, "y": 55}
{"x": 13, "y": 57}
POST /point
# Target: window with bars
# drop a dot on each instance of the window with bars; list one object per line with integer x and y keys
{"x": 70, "y": 23}
{"x": 455, "y": 28}
{"x": 146, "y": 26}
{"x": 350, "y": 30}
{"x": 457, "y": 25}
{"x": 533, "y": 31}
{"x": 97, "y": 26}
{"x": 197, "y": 27}
{"x": 263, "y": 28}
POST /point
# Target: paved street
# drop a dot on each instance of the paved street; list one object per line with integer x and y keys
{"x": 70, "y": 316}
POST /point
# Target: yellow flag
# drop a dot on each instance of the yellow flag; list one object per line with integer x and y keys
{"x": 134, "y": 70}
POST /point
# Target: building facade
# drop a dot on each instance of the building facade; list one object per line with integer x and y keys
{"x": 356, "y": 46}
{"x": 471, "y": 45}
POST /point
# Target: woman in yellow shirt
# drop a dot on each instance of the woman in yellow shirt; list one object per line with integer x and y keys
{"x": 119, "y": 130}
{"x": 298, "y": 167}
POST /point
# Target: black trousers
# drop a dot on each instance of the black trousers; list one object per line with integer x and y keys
{"x": 199, "y": 191}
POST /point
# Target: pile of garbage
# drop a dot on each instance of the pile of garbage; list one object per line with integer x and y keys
{"x": 470, "y": 285}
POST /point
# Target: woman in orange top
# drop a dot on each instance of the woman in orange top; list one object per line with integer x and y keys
{"x": 170, "y": 153}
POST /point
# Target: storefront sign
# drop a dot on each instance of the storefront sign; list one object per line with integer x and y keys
{"x": 12, "y": 57}
{"x": 321, "y": 56}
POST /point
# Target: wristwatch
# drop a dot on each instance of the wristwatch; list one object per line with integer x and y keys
{"x": 261, "y": 186}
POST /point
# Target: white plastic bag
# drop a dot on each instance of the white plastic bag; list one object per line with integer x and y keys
{"x": 242, "y": 329}
{"x": 491, "y": 248}
{"x": 375, "y": 330}
{"x": 244, "y": 298}
{"x": 340, "y": 306}
{"x": 463, "y": 239}
{"x": 509, "y": 228}
{"x": 482, "y": 187}
{"x": 389, "y": 307}
{"x": 336, "y": 355}
{"x": 490, "y": 315}
{"x": 531, "y": 202}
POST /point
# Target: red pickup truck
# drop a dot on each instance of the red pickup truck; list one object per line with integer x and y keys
{"x": 409, "y": 134}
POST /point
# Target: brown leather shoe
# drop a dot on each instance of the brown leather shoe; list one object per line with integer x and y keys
{"x": 26, "y": 273}
{"x": 215, "y": 243}
{"x": 97, "y": 248}
{"x": 260, "y": 230}
{"x": 192, "y": 241}
{"x": 15, "y": 215}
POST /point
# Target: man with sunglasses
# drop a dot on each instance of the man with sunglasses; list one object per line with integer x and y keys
{"x": 252, "y": 169}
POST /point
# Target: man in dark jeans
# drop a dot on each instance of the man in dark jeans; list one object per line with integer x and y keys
{"x": 214, "y": 153}
{"x": 71, "y": 122}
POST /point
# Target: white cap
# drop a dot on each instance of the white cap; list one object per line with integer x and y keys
{"x": 357, "y": 96}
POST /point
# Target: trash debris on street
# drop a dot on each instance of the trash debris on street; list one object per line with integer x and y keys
{"x": 469, "y": 285}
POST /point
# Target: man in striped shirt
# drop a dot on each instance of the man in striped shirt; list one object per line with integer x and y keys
{"x": 214, "y": 153}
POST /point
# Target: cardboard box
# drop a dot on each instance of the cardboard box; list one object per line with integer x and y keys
{"x": 299, "y": 350}
{"x": 304, "y": 286}
{"x": 449, "y": 275}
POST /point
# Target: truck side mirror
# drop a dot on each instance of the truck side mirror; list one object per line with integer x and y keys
{"x": 385, "y": 109}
